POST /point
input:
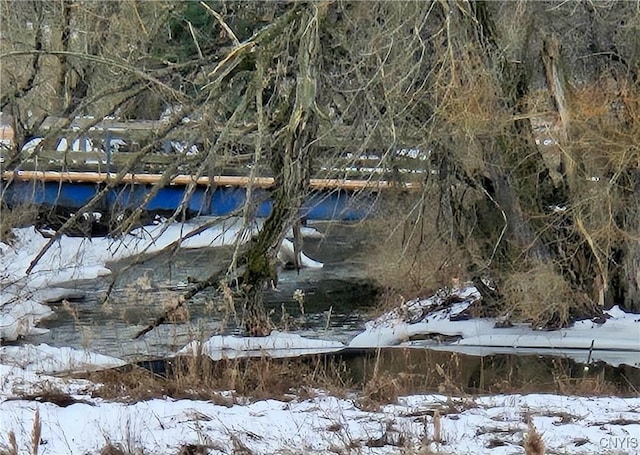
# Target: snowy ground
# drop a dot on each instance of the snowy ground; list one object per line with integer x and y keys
{"x": 615, "y": 341}
{"x": 325, "y": 424}
{"x": 320, "y": 424}
{"x": 317, "y": 425}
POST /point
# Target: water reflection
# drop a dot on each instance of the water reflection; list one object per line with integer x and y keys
{"x": 336, "y": 299}
{"x": 420, "y": 370}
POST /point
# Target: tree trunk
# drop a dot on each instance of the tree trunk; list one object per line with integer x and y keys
{"x": 290, "y": 162}
{"x": 511, "y": 155}
{"x": 630, "y": 280}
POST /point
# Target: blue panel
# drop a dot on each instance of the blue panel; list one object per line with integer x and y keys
{"x": 337, "y": 205}
{"x": 168, "y": 198}
{"x": 17, "y": 193}
{"x": 126, "y": 196}
{"x": 333, "y": 205}
{"x": 262, "y": 198}
{"x": 200, "y": 201}
{"x": 67, "y": 195}
{"x": 50, "y": 194}
{"x": 264, "y": 209}
{"x": 225, "y": 200}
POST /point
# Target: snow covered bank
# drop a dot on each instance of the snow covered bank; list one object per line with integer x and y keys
{"x": 22, "y": 308}
{"x": 324, "y": 424}
{"x": 28, "y": 369}
{"x": 46, "y": 359}
{"x": 619, "y": 333}
{"x": 19, "y": 316}
{"x": 74, "y": 258}
{"x": 275, "y": 345}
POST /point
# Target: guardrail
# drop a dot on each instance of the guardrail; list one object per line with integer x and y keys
{"x": 219, "y": 180}
{"x": 362, "y": 171}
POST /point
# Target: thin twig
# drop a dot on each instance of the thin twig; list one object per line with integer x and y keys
{"x": 200, "y": 286}
{"x": 223, "y": 24}
{"x": 195, "y": 40}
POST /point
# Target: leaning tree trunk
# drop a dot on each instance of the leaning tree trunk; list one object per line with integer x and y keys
{"x": 631, "y": 297}
{"x": 290, "y": 162}
{"x": 512, "y": 155}
{"x": 629, "y": 282}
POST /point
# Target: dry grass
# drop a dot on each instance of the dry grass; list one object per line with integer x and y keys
{"x": 201, "y": 378}
{"x": 437, "y": 427}
{"x": 595, "y": 385}
{"x": 376, "y": 380}
{"x": 541, "y": 296}
{"x": 381, "y": 389}
{"x": 260, "y": 378}
{"x": 413, "y": 259}
{"x": 112, "y": 449}
{"x": 24, "y": 215}
{"x": 13, "y": 444}
{"x": 533, "y": 443}
{"x": 121, "y": 449}
{"x": 392, "y": 373}
{"x": 194, "y": 449}
{"x": 34, "y": 443}
{"x": 36, "y": 433}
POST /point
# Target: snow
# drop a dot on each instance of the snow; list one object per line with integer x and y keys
{"x": 615, "y": 341}
{"x": 19, "y": 318}
{"x": 320, "y": 424}
{"x": 74, "y": 258}
{"x": 325, "y": 424}
{"x": 49, "y": 360}
{"x": 16, "y": 382}
{"x": 276, "y": 344}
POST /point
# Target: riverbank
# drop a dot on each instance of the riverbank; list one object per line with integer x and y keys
{"x": 45, "y": 411}
{"x": 239, "y": 395}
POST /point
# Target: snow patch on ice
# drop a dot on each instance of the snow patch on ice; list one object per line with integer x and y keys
{"x": 275, "y": 345}
{"x": 615, "y": 341}
{"x": 45, "y": 359}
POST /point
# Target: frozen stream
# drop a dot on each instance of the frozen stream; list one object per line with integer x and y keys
{"x": 338, "y": 307}
{"x": 336, "y": 299}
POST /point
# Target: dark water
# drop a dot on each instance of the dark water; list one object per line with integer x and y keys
{"x": 425, "y": 370}
{"x": 335, "y": 305}
{"x": 384, "y": 374}
{"x": 338, "y": 299}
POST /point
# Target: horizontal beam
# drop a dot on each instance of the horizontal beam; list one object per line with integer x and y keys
{"x": 219, "y": 180}
{"x": 330, "y": 135}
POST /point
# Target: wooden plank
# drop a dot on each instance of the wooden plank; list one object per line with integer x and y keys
{"x": 333, "y": 164}
{"x": 329, "y": 136}
{"x": 220, "y": 180}
{"x": 80, "y": 157}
